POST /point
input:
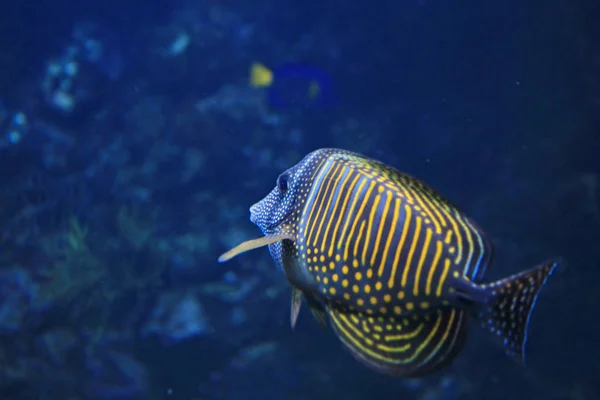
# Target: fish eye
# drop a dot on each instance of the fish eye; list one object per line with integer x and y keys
{"x": 283, "y": 183}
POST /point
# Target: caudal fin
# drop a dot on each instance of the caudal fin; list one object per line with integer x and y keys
{"x": 510, "y": 304}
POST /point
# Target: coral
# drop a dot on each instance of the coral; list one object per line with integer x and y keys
{"x": 76, "y": 268}
{"x": 134, "y": 229}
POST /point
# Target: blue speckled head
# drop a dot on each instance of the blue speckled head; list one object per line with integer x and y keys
{"x": 279, "y": 211}
{"x": 277, "y": 214}
{"x": 270, "y": 213}
{"x": 278, "y": 208}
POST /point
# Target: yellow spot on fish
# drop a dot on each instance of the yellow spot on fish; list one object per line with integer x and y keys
{"x": 358, "y": 276}
{"x": 314, "y": 259}
{"x": 410, "y": 306}
{"x": 378, "y": 286}
{"x": 331, "y": 265}
{"x": 367, "y": 289}
{"x": 383, "y": 310}
{"x": 345, "y": 270}
{"x": 338, "y": 257}
{"x": 401, "y": 295}
{"x": 355, "y": 288}
{"x": 346, "y": 296}
{"x": 373, "y": 300}
{"x": 335, "y": 277}
{"x": 323, "y": 269}
{"x": 397, "y": 310}
{"x": 331, "y": 290}
{"x": 326, "y": 280}
{"x": 425, "y": 304}
{"x": 318, "y": 278}
{"x": 308, "y": 251}
{"x": 360, "y": 302}
{"x": 322, "y": 258}
{"x": 355, "y": 263}
{"x": 345, "y": 283}
{"x": 369, "y": 273}
{"x": 387, "y": 298}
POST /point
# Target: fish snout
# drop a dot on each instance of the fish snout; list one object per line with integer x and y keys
{"x": 254, "y": 213}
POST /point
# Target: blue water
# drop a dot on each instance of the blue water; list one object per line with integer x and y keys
{"x": 132, "y": 146}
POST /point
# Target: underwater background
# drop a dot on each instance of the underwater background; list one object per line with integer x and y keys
{"x": 134, "y": 137}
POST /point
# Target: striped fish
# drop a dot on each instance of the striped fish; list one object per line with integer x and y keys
{"x": 395, "y": 268}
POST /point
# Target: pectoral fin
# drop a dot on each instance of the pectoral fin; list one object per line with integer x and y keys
{"x": 316, "y": 308}
{"x": 295, "y": 307}
{"x": 254, "y": 244}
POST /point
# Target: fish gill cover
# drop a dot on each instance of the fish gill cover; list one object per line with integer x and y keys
{"x": 135, "y": 137}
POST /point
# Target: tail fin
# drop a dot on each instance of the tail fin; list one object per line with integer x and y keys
{"x": 260, "y": 76}
{"x": 510, "y": 304}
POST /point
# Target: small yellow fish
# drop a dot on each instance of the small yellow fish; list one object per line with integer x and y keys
{"x": 295, "y": 85}
{"x": 260, "y": 76}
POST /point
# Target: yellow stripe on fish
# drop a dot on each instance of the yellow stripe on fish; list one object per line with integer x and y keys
{"x": 407, "y": 228}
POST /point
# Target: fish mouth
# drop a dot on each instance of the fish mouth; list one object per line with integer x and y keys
{"x": 262, "y": 215}
{"x": 254, "y": 213}
{"x": 273, "y": 227}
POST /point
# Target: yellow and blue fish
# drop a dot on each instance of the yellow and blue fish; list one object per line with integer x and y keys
{"x": 394, "y": 267}
{"x": 293, "y": 85}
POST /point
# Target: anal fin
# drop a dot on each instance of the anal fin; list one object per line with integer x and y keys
{"x": 409, "y": 347}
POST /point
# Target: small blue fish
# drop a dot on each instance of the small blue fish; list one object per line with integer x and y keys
{"x": 293, "y": 85}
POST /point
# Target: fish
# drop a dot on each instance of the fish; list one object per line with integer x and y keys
{"x": 293, "y": 85}
{"x": 394, "y": 267}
